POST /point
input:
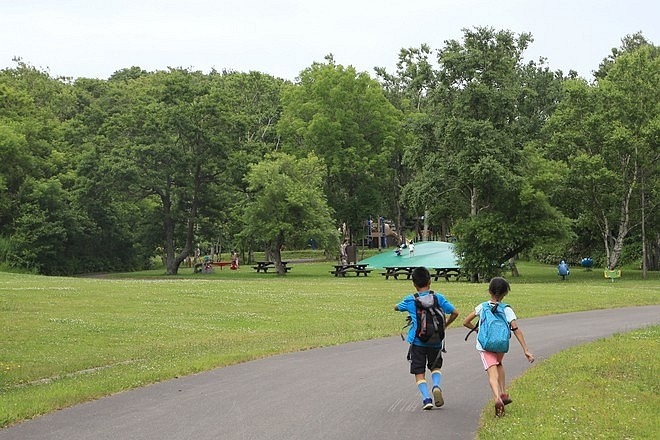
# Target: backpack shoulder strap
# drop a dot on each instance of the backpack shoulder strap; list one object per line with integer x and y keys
{"x": 502, "y": 306}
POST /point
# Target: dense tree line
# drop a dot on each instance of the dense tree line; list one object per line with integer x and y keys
{"x": 467, "y": 141}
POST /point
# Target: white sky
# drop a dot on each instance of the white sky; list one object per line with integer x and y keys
{"x": 91, "y": 38}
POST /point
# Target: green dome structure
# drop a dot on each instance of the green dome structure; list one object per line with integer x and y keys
{"x": 430, "y": 254}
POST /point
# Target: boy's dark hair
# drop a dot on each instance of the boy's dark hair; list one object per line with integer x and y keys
{"x": 421, "y": 277}
{"x": 499, "y": 287}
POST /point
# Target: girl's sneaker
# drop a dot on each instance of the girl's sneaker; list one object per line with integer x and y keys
{"x": 499, "y": 408}
{"x": 427, "y": 403}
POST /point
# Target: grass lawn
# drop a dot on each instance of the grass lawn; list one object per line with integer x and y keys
{"x": 608, "y": 389}
{"x": 67, "y": 340}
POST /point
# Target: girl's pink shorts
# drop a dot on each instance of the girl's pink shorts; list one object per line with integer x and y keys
{"x": 488, "y": 358}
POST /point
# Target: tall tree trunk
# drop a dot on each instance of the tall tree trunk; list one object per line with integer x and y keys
{"x": 624, "y": 226}
{"x": 644, "y": 249}
{"x": 171, "y": 267}
{"x": 514, "y": 268}
{"x": 473, "y": 201}
{"x": 277, "y": 254}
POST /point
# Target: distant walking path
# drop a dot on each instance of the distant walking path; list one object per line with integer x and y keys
{"x": 354, "y": 391}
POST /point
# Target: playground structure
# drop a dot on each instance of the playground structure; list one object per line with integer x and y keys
{"x": 382, "y": 233}
{"x": 430, "y": 254}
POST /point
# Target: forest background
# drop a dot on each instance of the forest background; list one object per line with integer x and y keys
{"x": 466, "y": 141}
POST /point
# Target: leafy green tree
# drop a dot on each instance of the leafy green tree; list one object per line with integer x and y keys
{"x": 607, "y": 135}
{"x": 344, "y": 118}
{"x": 28, "y": 134}
{"x": 408, "y": 89}
{"x": 181, "y": 142}
{"x": 469, "y": 157}
{"x": 629, "y": 43}
{"x": 164, "y": 142}
{"x": 253, "y": 102}
{"x": 37, "y": 172}
{"x": 287, "y": 204}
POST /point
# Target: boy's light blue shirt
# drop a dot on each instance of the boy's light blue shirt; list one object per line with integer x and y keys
{"x": 408, "y": 305}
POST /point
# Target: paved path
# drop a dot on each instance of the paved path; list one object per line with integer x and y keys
{"x": 354, "y": 391}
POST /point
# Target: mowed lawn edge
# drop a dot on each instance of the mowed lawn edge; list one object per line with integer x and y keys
{"x": 605, "y": 389}
{"x": 68, "y": 340}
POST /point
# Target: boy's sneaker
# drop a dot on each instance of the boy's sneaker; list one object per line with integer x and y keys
{"x": 499, "y": 408}
{"x": 506, "y": 399}
{"x": 437, "y": 396}
{"x": 427, "y": 404}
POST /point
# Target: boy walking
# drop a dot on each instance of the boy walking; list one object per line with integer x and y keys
{"x": 422, "y": 354}
{"x": 492, "y": 361}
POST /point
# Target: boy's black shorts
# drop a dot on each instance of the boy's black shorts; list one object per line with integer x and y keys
{"x": 422, "y": 357}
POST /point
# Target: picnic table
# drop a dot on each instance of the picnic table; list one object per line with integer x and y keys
{"x": 436, "y": 272}
{"x": 343, "y": 269}
{"x": 448, "y": 272}
{"x": 265, "y": 265}
{"x": 395, "y": 271}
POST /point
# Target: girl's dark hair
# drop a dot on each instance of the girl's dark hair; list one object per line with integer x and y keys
{"x": 421, "y": 277}
{"x": 499, "y": 287}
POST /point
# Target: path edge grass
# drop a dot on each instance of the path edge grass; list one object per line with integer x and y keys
{"x": 604, "y": 389}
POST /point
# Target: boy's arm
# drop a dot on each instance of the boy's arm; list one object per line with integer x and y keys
{"x": 451, "y": 318}
{"x": 521, "y": 340}
{"x": 403, "y": 306}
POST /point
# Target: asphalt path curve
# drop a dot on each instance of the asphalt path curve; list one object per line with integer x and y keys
{"x": 354, "y": 391}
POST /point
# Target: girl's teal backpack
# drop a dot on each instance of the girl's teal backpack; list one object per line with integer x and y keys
{"x": 494, "y": 331}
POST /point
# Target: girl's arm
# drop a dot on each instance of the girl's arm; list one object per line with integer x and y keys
{"x": 521, "y": 339}
{"x": 467, "y": 322}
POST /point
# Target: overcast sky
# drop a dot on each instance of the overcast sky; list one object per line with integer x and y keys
{"x": 91, "y": 38}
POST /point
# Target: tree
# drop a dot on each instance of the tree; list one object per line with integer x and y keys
{"x": 37, "y": 206}
{"x": 254, "y": 102}
{"x": 408, "y": 90}
{"x": 629, "y": 43}
{"x": 607, "y": 133}
{"x": 167, "y": 139}
{"x": 287, "y": 204}
{"x": 469, "y": 154}
{"x": 344, "y": 118}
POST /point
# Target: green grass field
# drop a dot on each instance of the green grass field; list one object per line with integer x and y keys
{"x": 608, "y": 389}
{"x": 68, "y": 340}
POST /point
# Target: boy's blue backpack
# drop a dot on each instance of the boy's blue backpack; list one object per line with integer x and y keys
{"x": 494, "y": 331}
